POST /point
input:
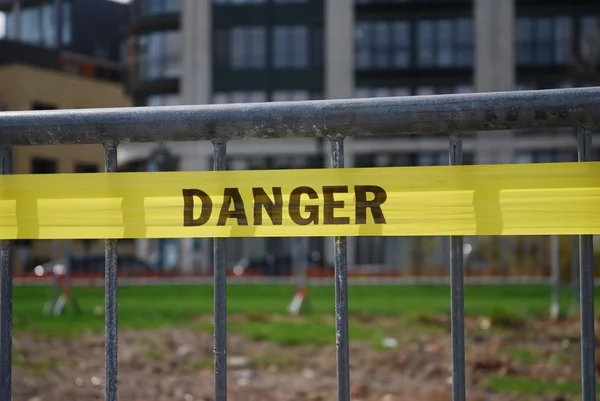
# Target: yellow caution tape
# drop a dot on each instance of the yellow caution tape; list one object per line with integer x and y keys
{"x": 462, "y": 200}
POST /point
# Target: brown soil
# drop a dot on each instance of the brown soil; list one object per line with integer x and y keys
{"x": 176, "y": 364}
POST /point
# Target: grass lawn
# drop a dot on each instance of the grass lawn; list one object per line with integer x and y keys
{"x": 156, "y": 306}
{"x": 263, "y": 308}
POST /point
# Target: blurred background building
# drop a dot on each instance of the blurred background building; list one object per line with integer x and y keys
{"x": 175, "y": 52}
{"x": 69, "y": 64}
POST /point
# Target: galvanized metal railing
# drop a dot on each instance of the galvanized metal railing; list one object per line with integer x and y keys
{"x": 334, "y": 119}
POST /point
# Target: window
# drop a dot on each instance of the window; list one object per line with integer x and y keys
{"x": 563, "y": 38}
{"x": 86, "y": 168}
{"x": 445, "y": 43}
{"x": 239, "y": 97}
{"x": 426, "y": 43}
{"x": 41, "y": 165}
{"x": 158, "y": 55}
{"x": 156, "y": 7}
{"x": 317, "y": 47}
{"x": 432, "y": 159}
{"x": 38, "y": 24}
{"x": 590, "y": 39}
{"x": 383, "y": 91}
{"x": 9, "y": 28}
{"x": 364, "y": 92}
{"x": 441, "y": 43}
{"x": 247, "y": 47}
{"x": 398, "y": 159}
{"x": 48, "y": 25}
{"x": 279, "y": 162}
{"x": 543, "y": 40}
{"x": 464, "y": 47}
{"x": 545, "y": 156}
{"x": 464, "y": 88}
{"x": 401, "y": 44}
{"x": 290, "y": 46}
{"x": 239, "y": 2}
{"x": 66, "y": 27}
{"x": 42, "y": 106}
{"x": 261, "y": 96}
{"x": 382, "y": 44}
{"x": 294, "y": 95}
{"x": 163, "y": 100}
{"x": 221, "y": 48}
{"x": 31, "y": 28}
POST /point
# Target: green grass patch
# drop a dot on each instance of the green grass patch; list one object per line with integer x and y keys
{"x": 204, "y": 363}
{"x": 148, "y": 307}
{"x": 523, "y": 354}
{"x": 154, "y": 354}
{"x": 295, "y": 333}
{"x": 526, "y": 386}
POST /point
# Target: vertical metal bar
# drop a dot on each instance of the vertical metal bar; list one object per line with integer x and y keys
{"x": 5, "y": 298}
{"x": 554, "y": 261}
{"x": 574, "y": 275}
{"x": 341, "y": 290}
{"x": 220, "y": 294}
{"x": 586, "y": 292}
{"x": 110, "y": 294}
{"x": 457, "y": 294}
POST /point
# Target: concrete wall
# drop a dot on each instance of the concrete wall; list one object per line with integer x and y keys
{"x": 494, "y": 37}
{"x": 196, "y": 51}
{"x": 339, "y": 84}
{"x": 339, "y": 49}
{"x": 21, "y": 85}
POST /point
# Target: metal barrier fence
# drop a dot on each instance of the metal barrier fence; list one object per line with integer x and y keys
{"x": 334, "y": 119}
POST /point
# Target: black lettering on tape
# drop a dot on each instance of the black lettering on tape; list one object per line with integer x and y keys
{"x": 239, "y": 213}
{"x": 330, "y": 204}
{"x": 188, "y": 207}
{"x": 274, "y": 208}
{"x": 362, "y": 204}
{"x": 313, "y": 210}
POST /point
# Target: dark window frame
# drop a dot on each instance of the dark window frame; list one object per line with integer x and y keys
{"x": 85, "y": 168}
{"x": 43, "y": 165}
{"x": 408, "y": 159}
{"x": 536, "y": 48}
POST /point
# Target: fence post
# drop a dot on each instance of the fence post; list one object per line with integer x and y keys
{"x": 220, "y": 293}
{"x": 5, "y": 298}
{"x": 457, "y": 294}
{"x": 555, "y": 263}
{"x": 574, "y": 275}
{"x": 110, "y": 295}
{"x": 586, "y": 291}
{"x": 341, "y": 290}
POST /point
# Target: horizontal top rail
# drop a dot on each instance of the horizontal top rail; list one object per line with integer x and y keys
{"x": 318, "y": 118}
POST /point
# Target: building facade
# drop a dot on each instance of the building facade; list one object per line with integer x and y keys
{"x": 92, "y": 28}
{"x": 38, "y": 74}
{"x": 226, "y": 51}
{"x": 30, "y": 87}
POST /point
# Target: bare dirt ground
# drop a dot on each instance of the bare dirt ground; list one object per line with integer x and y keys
{"x": 176, "y": 364}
